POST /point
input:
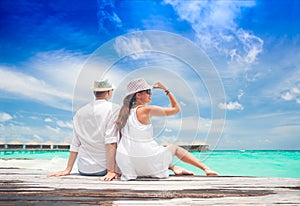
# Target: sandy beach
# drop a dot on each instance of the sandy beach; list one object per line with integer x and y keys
{"x": 25, "y": 182}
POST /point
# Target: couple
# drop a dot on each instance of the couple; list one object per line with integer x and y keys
{"x": 96, "y": 130}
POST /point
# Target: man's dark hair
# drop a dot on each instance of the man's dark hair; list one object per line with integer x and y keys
{"x": 99, "y": 94}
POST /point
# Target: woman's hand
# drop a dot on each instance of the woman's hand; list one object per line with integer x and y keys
{"x": 159, "y": 85}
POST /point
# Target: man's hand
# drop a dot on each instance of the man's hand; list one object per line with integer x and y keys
{"x": 60, "y": 173}
{"x": 109, "y": 176}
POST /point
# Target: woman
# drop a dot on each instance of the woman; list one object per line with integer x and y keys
{"x": 138, "y": 154}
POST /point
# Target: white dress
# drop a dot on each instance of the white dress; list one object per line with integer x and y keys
{"x": 138, "y": 154}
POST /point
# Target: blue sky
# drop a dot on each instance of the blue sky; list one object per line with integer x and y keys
{"x": 253, "y": 45}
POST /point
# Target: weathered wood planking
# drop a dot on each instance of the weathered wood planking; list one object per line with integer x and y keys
{"x": 33, "y": 187}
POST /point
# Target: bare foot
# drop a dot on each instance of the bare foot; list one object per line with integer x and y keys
{"x": 181, "y": 171}
{"x": 210, "y": 173}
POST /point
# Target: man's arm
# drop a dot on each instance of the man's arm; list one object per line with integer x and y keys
{"x": 111, "y": 162}
{"x": 67, "y": 171}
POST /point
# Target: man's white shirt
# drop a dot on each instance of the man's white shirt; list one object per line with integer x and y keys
{"x": 94, "y": 127}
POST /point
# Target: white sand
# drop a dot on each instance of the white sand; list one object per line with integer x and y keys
{"x": 55, "y": 164}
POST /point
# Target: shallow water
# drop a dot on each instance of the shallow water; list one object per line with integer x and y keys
{"x": 279, "y": 163}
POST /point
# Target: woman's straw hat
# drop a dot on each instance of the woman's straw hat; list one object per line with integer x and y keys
{"x": 137, "y": 85}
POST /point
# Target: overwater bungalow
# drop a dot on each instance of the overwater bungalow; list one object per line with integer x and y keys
{"x": 15, "y": 145}
{"x": 33, "y": 145}
{"x": 48, "y": 145}
{"x": 63, "y": 145}
{"x": 196, "y": 146}
{"x": 2, "y": 145}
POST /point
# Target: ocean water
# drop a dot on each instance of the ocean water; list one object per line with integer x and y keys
{"x": 279, "y": 163}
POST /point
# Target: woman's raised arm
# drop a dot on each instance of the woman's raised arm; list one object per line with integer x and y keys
{"x": 163, "y": 111}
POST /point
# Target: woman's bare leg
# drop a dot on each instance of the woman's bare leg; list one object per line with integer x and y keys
{"x": 187, "y": 157}
{"x": 178, "y": 171}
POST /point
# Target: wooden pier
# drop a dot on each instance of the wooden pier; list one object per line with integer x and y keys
{"x": 33, "y": 187}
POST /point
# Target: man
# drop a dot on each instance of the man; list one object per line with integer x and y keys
{"x": 95, "y": 136}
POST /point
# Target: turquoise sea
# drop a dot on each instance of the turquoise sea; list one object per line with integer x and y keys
{"x": 264, "y": 163}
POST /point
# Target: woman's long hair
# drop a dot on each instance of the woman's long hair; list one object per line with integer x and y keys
{"x": 128, "y": 102}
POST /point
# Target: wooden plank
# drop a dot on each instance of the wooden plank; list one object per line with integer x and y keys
{"x": 31, "y": 186}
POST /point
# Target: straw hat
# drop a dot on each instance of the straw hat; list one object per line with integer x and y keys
{"x": 103, "y": 85}
{"x": 137, "y": 85}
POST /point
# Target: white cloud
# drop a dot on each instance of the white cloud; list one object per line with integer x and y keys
{"x": 190, "y": 93}
{"x": 253, "y": 76}
{"x": 295, "y": 90}
{"x": 56, "y": 130}
{"x": 30, "y": 87}
{"x": 51, "y": 79}
{"x": 231, "y": 106}
{"x": 241, "y": 93}
{"x": 133, "y": 46}
{"x": 41, "y": 134}
{"x": 33, "y": 117}
{"x": 168, "y": 130}
{"x": 37, "y": 137}
{"x": 5, "y": 117}
{"x": 107, "y": 16}
{"x": 185, "y": 128}
{"x": 59, "y": 68}
{"x": 282, "y": 82}
{"x": 214, "y": 23}
{"x": 191, "y": 129}
{"x": 48, "y": 120}
{"x": 64, "y": 124}
{"x": 178, "y": 76}
{"x": 252, "y": 46}
{"x": 182, "y": 103}
{"x": 194, "y": 123}
{"x": 283, "y": 134}
{"x": 287, "y": 96}
{"x": 292, "y": 93}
